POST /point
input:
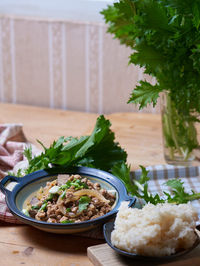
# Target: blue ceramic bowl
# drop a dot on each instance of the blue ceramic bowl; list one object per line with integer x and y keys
{"x": 17, "y": 190}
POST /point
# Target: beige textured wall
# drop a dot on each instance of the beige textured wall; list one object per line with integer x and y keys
{"x": 65, "y": 64}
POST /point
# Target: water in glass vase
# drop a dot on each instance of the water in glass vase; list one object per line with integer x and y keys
{"x": 179, "y": 133}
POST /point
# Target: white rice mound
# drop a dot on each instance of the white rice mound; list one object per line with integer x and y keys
{"x": 155, "y": 230}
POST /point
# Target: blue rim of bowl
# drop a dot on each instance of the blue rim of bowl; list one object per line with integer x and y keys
{"x": 109, "y": 227}
{"x": 31, "y": 178}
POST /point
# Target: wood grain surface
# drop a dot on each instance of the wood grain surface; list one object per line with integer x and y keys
{"x": 26, "y": 245}
{"x": 103, "y": 255}
{"x": 139, "y": 134}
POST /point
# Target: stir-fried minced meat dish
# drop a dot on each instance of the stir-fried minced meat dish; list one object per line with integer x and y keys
{"x": 70, "y": 199}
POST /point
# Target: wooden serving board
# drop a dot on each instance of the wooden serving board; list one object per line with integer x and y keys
{"x": 103, "y": 255}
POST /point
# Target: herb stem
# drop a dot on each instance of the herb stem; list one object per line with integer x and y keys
{"x": 179, "y": 132}
{"x": 193, "y": 196}
{"x": 140, "y": 186}
{"x": 132, "y": 6}
{"x": 170, "y": 122}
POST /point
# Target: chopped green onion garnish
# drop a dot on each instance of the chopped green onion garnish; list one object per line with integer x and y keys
{"x": 35, "y": 207}
{"x": 67, "y": 222}
{"x": 63, "y": 195}
{"x": 76, "y": 183}
{"x": 63, "y": 187}
{"x": 43, "y": 207}
{"x": 50, "y": 197}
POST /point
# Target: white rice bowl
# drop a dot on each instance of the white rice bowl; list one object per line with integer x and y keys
{"x": 155, "y": 230}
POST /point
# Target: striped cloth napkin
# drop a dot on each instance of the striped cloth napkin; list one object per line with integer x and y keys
{"x": 12, "y": 145}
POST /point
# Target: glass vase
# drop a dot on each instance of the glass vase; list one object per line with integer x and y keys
{"x": 179, "y": 133}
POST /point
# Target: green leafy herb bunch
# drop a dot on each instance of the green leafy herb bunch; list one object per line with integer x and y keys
{"x": 165, "y": 39}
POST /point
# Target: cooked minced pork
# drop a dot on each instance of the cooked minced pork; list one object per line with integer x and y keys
{"x": 70, "y": 199}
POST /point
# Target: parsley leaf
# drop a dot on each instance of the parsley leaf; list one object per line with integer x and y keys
{"x": 144, "y": 94}
{"x": 28, "y": 153}
{"x": 122, "y": 171}
{"x": 83, "y": 203}
{"x": 139, "y": 188}
{"x": 179, "y": 194}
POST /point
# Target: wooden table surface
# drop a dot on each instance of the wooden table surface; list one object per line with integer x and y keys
{"x": 139, "y": 134}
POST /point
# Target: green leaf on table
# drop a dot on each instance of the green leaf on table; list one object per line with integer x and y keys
{"x": 99, "y": 150}
{"x": 137, "y": 188}
{"x": 140, "y": 187}
{"x": 143, "y": 188}
{"x": 144, "y": 176}
{"x": 179, "y": 195}
{"x": 28, "y": 153}
{"x": 122, "y": 171}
